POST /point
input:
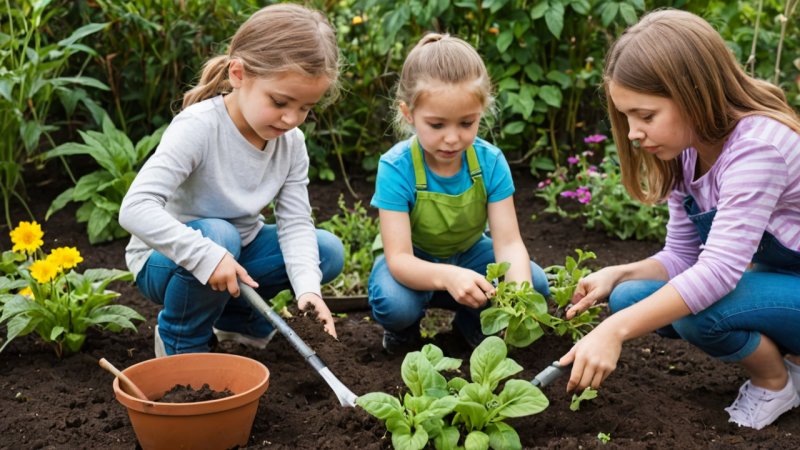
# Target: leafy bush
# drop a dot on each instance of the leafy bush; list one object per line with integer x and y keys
{"x": 102, "y": 191}
{"x": 32, "y": 64}
{"x": 596, "y": 194}
{"x": 445, "y": 411}
{"x": 56, "y": 302}
{"x": 357, "y": 230}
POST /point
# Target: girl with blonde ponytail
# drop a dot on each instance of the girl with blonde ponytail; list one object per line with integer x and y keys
{"x": 194, "y": 210}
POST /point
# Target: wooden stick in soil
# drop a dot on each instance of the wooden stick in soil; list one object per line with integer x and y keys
{"x": 124, "y": 379}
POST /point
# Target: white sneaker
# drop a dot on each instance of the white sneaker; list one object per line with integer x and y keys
{"x": 250, "y": 341}
{"x": 757, "y": 407}
{"x": 159, "y": 344}
{"x": 794, "y": 373}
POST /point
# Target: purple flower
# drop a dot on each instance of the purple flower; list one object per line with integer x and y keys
{"x": 569, "y": 194}
{"x": 572, "y": 160}
{"x": 592, "y": 169}
{"x": 595, "y": 139}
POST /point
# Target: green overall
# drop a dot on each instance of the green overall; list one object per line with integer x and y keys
{"x": 443, "y": 224}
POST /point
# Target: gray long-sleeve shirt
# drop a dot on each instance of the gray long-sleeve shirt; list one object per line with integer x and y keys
{"x": 205, "y": 168}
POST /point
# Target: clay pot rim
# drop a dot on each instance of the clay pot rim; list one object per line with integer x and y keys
{"x": 193, "y": 408}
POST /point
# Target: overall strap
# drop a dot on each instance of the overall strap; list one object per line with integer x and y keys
{"x": 421, "y": 180}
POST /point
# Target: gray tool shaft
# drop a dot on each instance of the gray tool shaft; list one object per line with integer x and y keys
{"x": 549, "y": 374}
{"x": 345, "y": 396}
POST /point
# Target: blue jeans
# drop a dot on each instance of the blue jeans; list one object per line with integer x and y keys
{"x": 398, "y": 308}
{"x": 764, "y": 302}
{"x": 192, "y": 308}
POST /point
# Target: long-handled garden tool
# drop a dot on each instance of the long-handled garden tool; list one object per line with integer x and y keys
{"x": 345, "y": 396}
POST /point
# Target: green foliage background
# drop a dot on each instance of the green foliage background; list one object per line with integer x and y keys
{"x": 545, "y": 58}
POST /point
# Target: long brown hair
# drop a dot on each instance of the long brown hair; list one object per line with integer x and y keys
{"x": 276, "y": 39}
{"x": 678, "y": 55}
{"x": 444, "y": 58}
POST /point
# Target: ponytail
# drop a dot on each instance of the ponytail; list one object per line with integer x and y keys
{"x": 213, "y": 81}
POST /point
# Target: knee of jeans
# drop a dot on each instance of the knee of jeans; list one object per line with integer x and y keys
{"x": 695, "y": 329}
{"x": 624, "y": 295}
{"x": 221, "y": 232}
{"x": 540, "y": 283}
{"x": 331, "y": 255}
{"x": 395, "y": 310}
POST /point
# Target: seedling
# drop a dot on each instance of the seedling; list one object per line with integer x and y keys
{"x": 587, "y": 394}
{"x": 604, "y": 438}
{"x": 563, "y": 281}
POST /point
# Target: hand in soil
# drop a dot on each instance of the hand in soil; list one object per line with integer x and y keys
{"x": 314, "y": 304}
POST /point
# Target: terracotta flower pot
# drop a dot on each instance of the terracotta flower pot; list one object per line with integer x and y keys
{"x": 213, "y": 424}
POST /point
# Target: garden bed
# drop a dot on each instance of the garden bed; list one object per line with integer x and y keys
{"x": 664, "y": 394}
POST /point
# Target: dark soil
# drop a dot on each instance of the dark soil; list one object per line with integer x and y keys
{"x": 664, "y": 394}
{"x": 187, "y": 394}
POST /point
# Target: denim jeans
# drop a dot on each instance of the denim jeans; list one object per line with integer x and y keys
{"x": 764, "y": 302}
{"x": 192, "y": 308}
{"x": 397, "y": 307}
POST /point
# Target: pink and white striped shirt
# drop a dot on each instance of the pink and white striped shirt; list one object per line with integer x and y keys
{"x": 755, "y": 187}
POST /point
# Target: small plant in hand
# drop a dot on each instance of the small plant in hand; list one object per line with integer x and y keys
{"x": 52, "y": 299}
{"x": 563, "y": 281}
{"x": 587, "y": 394}
{"x": 596, "y": 193}
{"x": 457, "y": 413}
{"x": 516, "y": 308}
{"x": 357, "y": 230}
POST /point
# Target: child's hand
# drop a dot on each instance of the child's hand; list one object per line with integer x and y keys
{"x": 227, "y": 275}
{"x": 590, "y": 289}
{"x": 323, "y": 313}
{"x": 468, "y": 287}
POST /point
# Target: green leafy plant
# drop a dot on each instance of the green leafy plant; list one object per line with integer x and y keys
{"x": 419, "y": 417}
{"x": 587, "y": 394}
{"x": 32, "y": 64}
{"x": 596, "y": 194}
{"x": 604, "y": 438}
{"x": 480, "y": 411}
{"x": 563, "y": 280}
{"x": 357, "y": 230}
{"x": 101, "y": 192}
{"x": 58, "y": 303}
{"x": 516, "y": 308}
{"x": 444, "y": 411}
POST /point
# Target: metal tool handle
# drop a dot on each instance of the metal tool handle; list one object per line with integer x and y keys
{"x": 262, "y": 307}
{"x": 549, "y": 374}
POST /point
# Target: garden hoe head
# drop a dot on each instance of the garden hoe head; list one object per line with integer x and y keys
{"x": 345, "y": 396}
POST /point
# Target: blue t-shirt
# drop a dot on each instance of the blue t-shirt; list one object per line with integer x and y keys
{"x": 395, "y": 186}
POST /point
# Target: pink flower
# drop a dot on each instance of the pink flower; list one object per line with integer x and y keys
{"x": 592, "y": 169}
{"x": 572, "y": 160}
{"x": 595, "y": 139}
{"x": 569, "y": 194}
{"x": 588, "y": 153}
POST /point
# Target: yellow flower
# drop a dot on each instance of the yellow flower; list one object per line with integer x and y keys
{"x": 65, "y": 257}
{"x": 27, "y": 237}
{"x": 357, "y": 20}
{"x": 43, "y": 270}
{"x": 26, "y": 292}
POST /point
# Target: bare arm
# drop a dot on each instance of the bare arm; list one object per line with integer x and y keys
{"x": 598, "y": 286}
{"x": 506, "y": 240}
{"x": 595, "y": 356}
